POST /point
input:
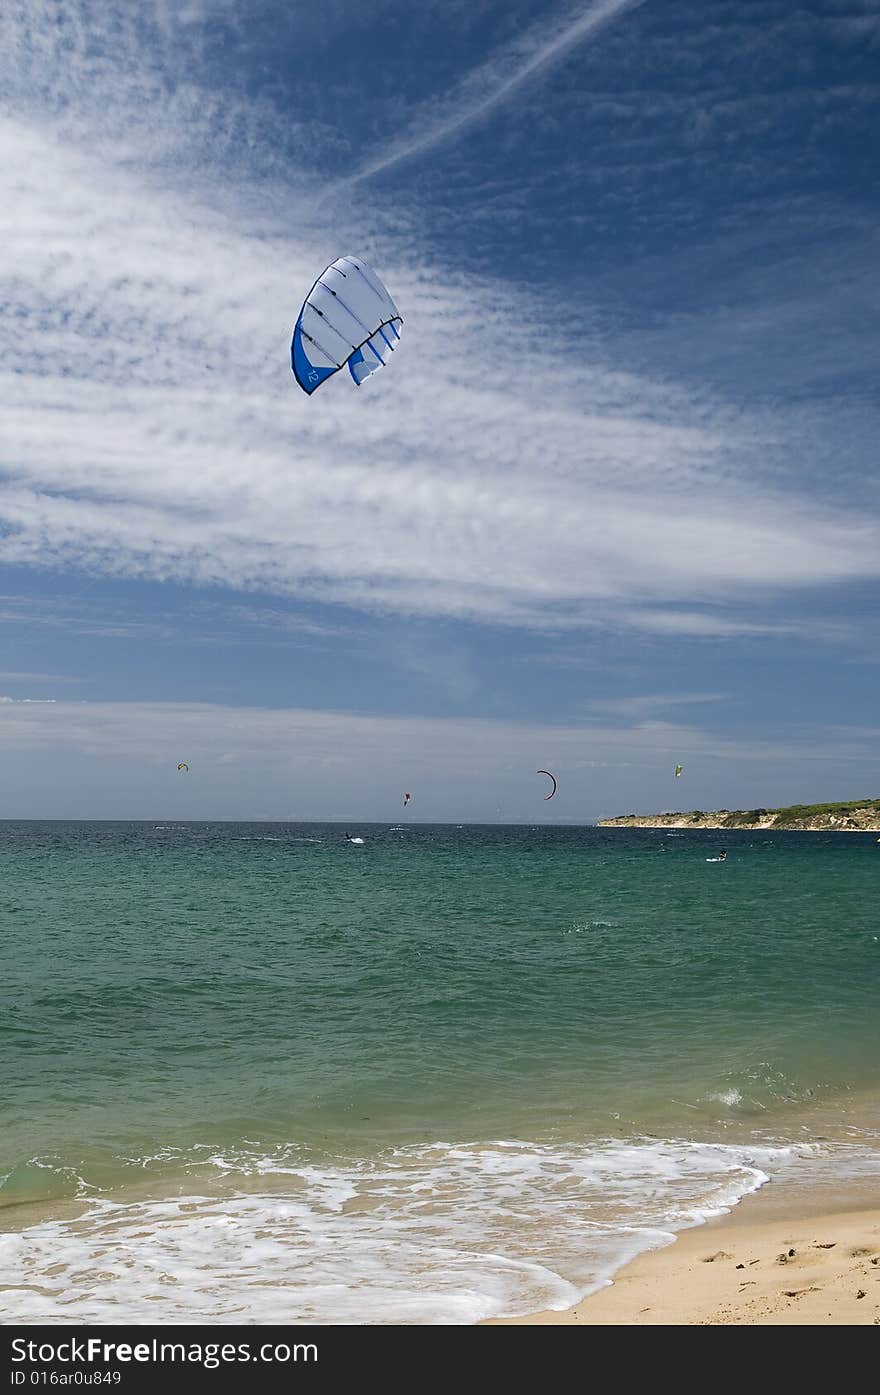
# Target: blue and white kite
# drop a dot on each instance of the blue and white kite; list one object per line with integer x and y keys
{"x": 348, "y": 318}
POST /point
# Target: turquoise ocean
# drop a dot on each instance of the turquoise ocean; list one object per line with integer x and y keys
{"x": 255, "y": 1072}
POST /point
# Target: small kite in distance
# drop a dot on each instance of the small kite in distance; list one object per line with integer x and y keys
{"x": 550, "y": 777}
{"x": 406, "y": 799}
{"x": 183, "y": 766}
{"x": 678, "y": 770}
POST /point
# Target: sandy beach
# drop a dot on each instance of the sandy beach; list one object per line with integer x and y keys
{"x": 814, "y": 1271}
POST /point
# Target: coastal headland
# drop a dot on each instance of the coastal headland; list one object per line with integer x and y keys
{"x": 851, "y": 816}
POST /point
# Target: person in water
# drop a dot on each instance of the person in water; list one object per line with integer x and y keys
{"x": 722, "y": 856}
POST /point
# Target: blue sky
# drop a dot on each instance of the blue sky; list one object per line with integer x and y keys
{"x": 614, "y": 505}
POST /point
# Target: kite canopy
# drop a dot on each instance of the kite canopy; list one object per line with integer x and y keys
{"x": 348, "y": 317}
{"x": 550, "y": 777}
{"x": 183, "y": 765}
{"x": 678, "y": 770}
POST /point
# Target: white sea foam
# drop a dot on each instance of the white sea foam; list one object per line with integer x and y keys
{"x": 731, "y": 1097}
{"x": 444, "y": 1234}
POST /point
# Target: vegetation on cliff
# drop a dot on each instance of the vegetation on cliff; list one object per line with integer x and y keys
{"x": 850, "y": 815}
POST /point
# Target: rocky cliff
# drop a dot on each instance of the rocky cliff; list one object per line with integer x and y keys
{"x": 854, "y": 816}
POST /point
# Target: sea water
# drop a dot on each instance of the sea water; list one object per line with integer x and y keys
{"x": 261, "y": 1073}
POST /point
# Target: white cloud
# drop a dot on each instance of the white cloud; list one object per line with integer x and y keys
{"x": 640, "y": 705}
{"x": 499, "y": 471}
{"x": 11, "y": 676}
{"x": 487, "y": 87}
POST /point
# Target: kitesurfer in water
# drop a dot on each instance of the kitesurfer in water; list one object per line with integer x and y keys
{"x": 722, "y": 856}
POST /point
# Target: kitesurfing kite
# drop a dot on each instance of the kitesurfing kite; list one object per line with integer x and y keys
{"x": 347, "y": 317}
{"x": 406, "y": 799}
{"x": 678, "y": 770}
{"x": 183, "y": 766}
{"x": 551, "y": 777}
